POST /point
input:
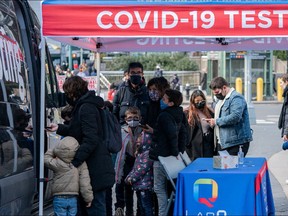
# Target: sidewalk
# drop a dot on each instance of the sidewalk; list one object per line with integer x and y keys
{"x": 277, "y": 164}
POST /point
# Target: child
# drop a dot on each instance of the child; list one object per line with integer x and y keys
{"x": 169, "y": 138}
{"x": 66, "y": 114}
{"x": 141, "y": 176}
{"x": 67, "y": 180}
{"x": 125, "y": 161}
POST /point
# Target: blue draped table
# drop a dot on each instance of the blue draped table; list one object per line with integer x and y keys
{"x": 202, "y": 190}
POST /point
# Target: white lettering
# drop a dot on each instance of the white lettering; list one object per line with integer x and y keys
{"x": 280, "y": 14}
{"x": 246, "y": 19}
{"x": 165, "y": 14}
{"x": 143, "y": 41}
{"x": 142, "y": 23}
{"x": 262, "y": 17}
{"x": 156, "y": 19}
{"x": 231, "y": 15}
{"x": 10, "y": 64}
{"x": 117, "y": 20}
{"x": 99, "y": 19}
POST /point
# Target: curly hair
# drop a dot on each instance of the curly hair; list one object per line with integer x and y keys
{"x": 192, "y": 110}
{"x": 75, "y": 87}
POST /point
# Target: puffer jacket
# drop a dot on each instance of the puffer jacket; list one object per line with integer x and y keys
{"x": 67, "y": 179}
{"x": 142, "y": 173}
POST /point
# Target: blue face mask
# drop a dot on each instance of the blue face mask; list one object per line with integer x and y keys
{"x": 163, "y": 105}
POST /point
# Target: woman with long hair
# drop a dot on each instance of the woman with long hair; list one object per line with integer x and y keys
{"x": 200, "y": 134}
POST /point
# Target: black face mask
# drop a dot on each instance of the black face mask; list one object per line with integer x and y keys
{"x": 135, "y": 79}
{"x": 200, "y": 105}
{"x": 70, "y": 101}
{"x": 219, "y": 96}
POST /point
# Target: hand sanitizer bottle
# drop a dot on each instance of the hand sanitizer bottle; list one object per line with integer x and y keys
{"x": 240, "y": 156}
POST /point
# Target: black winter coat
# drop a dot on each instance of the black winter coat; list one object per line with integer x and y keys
{"x": 170, "y": 133}
{"x": 197, "y": 140}
{"x": 153, "y": 112}
{"x": 126, "y": 97}
{"x": 283, "y": 118}
{"x": 85, "y": 126}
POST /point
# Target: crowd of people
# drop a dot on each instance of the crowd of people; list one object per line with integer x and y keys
{"x": 83, "y": 70}
{"x": 154, "y": 124}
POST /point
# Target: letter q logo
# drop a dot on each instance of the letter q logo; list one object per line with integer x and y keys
{"x": 211, "y": 197}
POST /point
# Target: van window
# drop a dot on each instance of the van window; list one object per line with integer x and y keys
{"x": 16, "y": 140}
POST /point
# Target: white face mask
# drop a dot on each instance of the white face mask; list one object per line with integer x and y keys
{"x": 133, "y": 123}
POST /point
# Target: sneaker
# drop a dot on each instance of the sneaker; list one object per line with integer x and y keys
{"x": 119, "y": 212}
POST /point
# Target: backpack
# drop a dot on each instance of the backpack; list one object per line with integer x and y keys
{"x": 111, "y": 131}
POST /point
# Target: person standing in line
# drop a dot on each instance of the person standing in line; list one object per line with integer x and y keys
{"x": 67, "y": 180}
{"x": 125, "y": 161}
{"x": 86, "y": 127}
{"x": 231, "y": 121}
{"x": 283, "y": 118}
{"x": 156, "y": 87}
{"x": 141, "y": 176}
{"x": 134, "y": 93}
{"x": 200, "y": 133}
{"x": 166, "y": 141}
{"x": 123, "y": 81}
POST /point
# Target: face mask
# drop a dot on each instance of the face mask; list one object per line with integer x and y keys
{"x": 133, "y": 123}
{"x": 220, "y": 96}
{"x": 200, "y": 105}
{"x": 154, "y": 95}
{"x": 163, "y": 105}
{"x": 135, "y": 79}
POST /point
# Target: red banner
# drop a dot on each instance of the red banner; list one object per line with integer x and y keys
{"x": 92, "y": 82}
{"x": 165, "y": 20}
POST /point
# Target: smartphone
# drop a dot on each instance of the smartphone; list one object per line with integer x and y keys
{"x": 144, "y": 126}
{"x": 47, "y": 127}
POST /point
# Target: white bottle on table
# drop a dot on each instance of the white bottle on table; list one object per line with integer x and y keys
{"x": 240, "y": 156}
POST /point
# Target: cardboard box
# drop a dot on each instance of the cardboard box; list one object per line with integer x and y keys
{"x": 225, "y": 162}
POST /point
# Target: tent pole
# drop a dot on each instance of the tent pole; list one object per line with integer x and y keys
{"x": 248, "y": 85}
{"x": 97, "y": 62}
{"x": 42, "y": 120}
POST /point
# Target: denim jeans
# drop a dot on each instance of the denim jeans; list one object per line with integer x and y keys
{"x": 65, "y": 206}
{"x": 160, "y": 187}
{"x": 145, "y": 202}
{"x": 98, "y": 206}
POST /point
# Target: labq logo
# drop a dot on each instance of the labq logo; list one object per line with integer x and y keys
{"x": 205, "y": 198}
